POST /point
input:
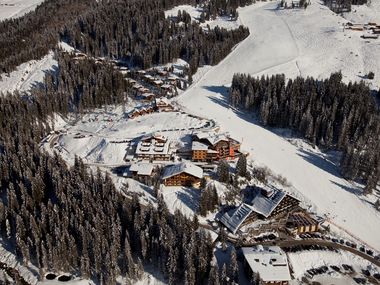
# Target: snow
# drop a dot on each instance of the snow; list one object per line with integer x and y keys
{"x": 184, "y": 199}
{"x": 103, "y": 136}
{"x": 195, "y": 13}
{"x": 364, "y": 13}
{"x": 288, "y": 41}
{"x": 305, "y": 260}
{"x": 16, "y": 8}
{"x": 27, "y": 271}
{"x": 27, "y": 74}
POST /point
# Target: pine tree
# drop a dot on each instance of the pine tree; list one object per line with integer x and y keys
{"x": 241, "y": 166}
{"x": 214, "y": 275}
{"x": 223, "y": 171}
{"x": 234, "y": 268}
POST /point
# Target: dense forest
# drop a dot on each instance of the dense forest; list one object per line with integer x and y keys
{"x": 73, "y": 219}
{"x": 329, "y": 113}
{"x": 134, "y": 30}
{"x": 139, "y": 33}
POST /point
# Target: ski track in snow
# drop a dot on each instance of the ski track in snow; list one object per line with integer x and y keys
{"x": 272, "y": 44}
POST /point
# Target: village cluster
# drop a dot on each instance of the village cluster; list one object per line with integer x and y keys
{"x": 267, "y": 209}
{"x": 265, "y": 204}
{"x": 205, "y": 150}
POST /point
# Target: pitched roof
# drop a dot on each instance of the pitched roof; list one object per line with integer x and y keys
{"x": 186, "y": 167}
{"x": 237, "y": 217}
{"x": 142, "y": 168}
{"x": 269, "y": 261}
{"x": 198, "y": 146}
{"x": 265, "y": 205}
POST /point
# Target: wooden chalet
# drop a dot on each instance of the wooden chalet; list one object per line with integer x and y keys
{"x": 213, "y": 147}
{"x": 142, "y": 172}
{"x": 269, "y": 262}
{"x": 183, "y": 174}
{"x": 266, "y": 204}
{"x": 163, "y": 105}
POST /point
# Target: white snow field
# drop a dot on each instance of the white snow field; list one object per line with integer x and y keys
{"x": 16, "y": 8}
{"x": 295, "y": 42}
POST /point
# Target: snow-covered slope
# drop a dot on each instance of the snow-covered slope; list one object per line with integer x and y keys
{"x": 27, "y": 74}
{"x": 16, "y": 8}
{"x": 277, "y": 43}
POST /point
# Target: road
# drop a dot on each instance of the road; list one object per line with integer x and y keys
{"x": 293, "y": 243}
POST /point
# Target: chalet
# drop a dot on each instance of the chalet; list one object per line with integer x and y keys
{"x": 142, "y": 172}
{"x": 154, "y": 147}
{"x": 224, "y": 146}
{"x": 158, "y": 83}
{"x": 266, "y": 204}
{"x": 301, "y": 222}
{"x": 162, "y": 72}
{"x": 167, "y": 87}
{"x": 201, "y": 152}
{"x": 268, "y": 262}
{"x": 140, "y": 111}
{"x": 163, "y": 105}
{"x": 148, "y": 96}
{"x": 376, "y": 31}
{"x": 148, "y": 78}
{"x": 183, "y": 174}
{"x": 134, "y": 113}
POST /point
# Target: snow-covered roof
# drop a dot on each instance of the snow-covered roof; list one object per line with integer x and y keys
{"x": 142, "y": 168}
{"x": 269, "y": 261}
{"x": 157, "y": 145}
{"x": 186, "y": 167}
{"x": 265, "y": 205}
{"x": 234, "y": 221}
{"x": 212, "y": 137}
{"x": 198, "y": 146}
{"x": 162, "y": 101}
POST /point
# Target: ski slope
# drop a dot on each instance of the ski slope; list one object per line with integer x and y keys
{"x": 280, "y": 43}
{"x": 16, "y": 8}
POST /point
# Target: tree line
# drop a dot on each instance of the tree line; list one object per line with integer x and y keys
{"x": 329, "y": 113}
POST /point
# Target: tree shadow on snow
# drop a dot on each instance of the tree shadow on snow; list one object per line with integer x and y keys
{"x": 320, "y": 161}
{"x": 190, "y": 197}
{"x": 347, "y": 188}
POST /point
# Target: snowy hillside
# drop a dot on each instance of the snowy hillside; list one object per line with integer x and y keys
{"x": 16, "y": 8}
{"x": 27, "y": 74}
{"x": 310, "y": 42}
